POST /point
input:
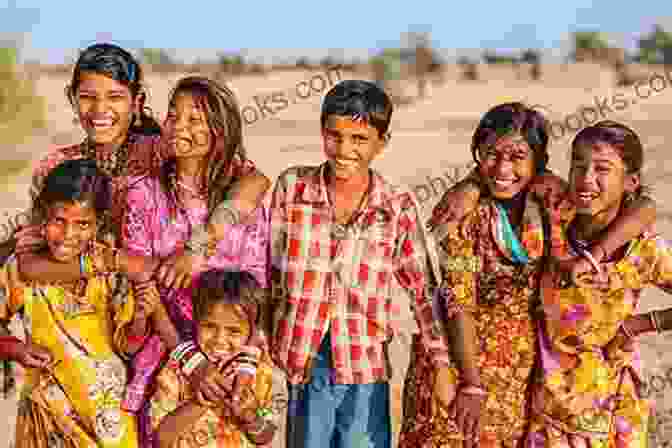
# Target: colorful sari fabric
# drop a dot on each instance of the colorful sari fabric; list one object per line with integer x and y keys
{"x": 214, "y": 429}
{"x": 77, "y": 401}
{"x": 151, "y": 229}
{"x": 588, "y": 396}
{"x": 484, "y": 269}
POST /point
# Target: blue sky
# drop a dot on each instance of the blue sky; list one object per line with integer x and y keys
{"x": 281, "y": 29}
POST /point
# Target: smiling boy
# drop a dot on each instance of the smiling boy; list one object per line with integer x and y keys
{"x": 340, "y": 235}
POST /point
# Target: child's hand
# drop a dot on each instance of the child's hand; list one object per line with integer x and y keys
{"x": 147, "y": 299}
{"x": 29, "y": 239}
{"x": 33, "y": 356}
{"x": 455, "y": 205}
{"x": 210, "y": 385}
{"x": 178, "y": 270}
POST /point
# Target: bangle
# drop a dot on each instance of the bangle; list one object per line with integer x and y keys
{"x": 627, "y": 331}
{"x": 591, "y": 259}
{"x": 194, "y": 362}
{"x": 653, "y": 317}
{"x": 182, "y": 348}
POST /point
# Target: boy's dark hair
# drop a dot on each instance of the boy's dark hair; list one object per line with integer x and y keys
{"x": 76, "y": 180}
{"x": 118, "y": 64}
{"x": 227, "y": 287}
{"x": 506, "y": 118}
{"x": 363, "y": 99}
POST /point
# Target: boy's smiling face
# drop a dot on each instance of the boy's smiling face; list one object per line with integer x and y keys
{"x": 350, "y": 145}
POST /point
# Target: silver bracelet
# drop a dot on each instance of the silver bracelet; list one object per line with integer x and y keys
{"x": 225, "y": 214}
{"x": 198, "y": 243}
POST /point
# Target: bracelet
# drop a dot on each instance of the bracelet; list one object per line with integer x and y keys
{"x": 182, "y": 348}
{"x": 225, "y": 214}
{"x": 627, "y": 331}
{"x": 653, "y": 317}
{"x": 474, "y": 390}
{"x": 194, "y": 362}
{"x": 591, "y": 259}
{"x": 198, "y": 243}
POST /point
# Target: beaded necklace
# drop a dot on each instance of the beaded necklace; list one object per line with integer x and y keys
{"x": 114, "y": 164}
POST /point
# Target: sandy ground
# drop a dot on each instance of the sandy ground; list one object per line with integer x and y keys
{"x": 429, "y": 147}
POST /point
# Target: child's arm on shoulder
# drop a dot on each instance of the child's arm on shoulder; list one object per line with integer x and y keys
{"x": 458, "y": 201}
{"x": 637, "y": 216}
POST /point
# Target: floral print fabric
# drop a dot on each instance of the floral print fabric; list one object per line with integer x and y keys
{"x": 77, "y": 401}
{"x": 478, "y": 268}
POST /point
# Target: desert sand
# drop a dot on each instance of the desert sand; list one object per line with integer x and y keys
{"x": 430, "y": 140}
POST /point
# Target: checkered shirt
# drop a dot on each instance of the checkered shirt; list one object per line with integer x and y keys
{"x": 340, "y": 277}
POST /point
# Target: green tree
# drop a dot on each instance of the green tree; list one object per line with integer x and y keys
{"x": 655, "y": 47}
{"x": 588, "y": 44}
{"x": 157, "y": 56}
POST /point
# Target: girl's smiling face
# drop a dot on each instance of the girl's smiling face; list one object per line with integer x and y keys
{"x": 599, "y": 179}
{"x": 105, "y": 108}
{"x": 69, "y": 228}
{"x": 223, "y": 330}
{"x": 507, "y": 166}
{"x": 187, "y": 127}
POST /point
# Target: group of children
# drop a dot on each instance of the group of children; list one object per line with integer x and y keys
{"x": 193, "y": 360}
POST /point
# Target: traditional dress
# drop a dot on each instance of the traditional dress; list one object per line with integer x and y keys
{"x": 151, "y": 229}
{"x": 585, "y": 396}
{"x": 492, "y": 273}
{"x": 77, "y": 401}
{"x": 214, "y": 429}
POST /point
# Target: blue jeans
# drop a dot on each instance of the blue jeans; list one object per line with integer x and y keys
{"x": 322, "y": 414}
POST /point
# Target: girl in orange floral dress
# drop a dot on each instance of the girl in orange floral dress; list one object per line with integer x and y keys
{"x": 491, "y": 261}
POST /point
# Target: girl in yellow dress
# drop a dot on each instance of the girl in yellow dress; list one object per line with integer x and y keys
{"x": 74, "y": 340}
{"x": 227, "y": 317}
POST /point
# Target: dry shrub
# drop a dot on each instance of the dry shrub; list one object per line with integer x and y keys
{"x": 22, "y": 111}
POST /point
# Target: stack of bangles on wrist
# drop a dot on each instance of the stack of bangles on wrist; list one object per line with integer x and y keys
{"x": 247, "y": 361}
{"x": 89, "y": 267}
{"x": 188, "y": 356}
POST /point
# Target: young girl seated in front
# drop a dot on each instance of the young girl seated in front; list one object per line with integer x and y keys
{"x": 75, "y": 374}
{"x": 227, "y": 316}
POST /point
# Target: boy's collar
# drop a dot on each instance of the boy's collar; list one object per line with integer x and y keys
{"x": 316, "y": 191}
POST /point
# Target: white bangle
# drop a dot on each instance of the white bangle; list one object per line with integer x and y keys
{"x": 194, "y": 362}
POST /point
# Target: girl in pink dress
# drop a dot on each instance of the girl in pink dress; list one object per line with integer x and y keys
{"x": 204, "y": 129}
